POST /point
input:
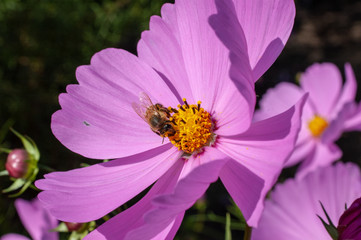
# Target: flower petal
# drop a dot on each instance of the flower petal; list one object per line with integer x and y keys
{"x": 323, "y": 155}
{"x": 266, "y": 24}
{"x": 264, "y": 148}
{"x": 159, "y": 47}
{"x": 190, "y": 187}
{"x": 120, "y": 225}
{"x": 314, "y": 81}
{"x": 350, "y": 222}
{"x": 301, "y": 151}
{"x": 36, "y": 219}
{"x": 106, "y": 185}
{"x": 295, "y": 204}
{"x": 207, "y": 64}
{"x": 13, "y": 236}
{"x": 352, "y": 114}
{"x": 349, "y": 89}
{"x": 97, "y": 119}
{"x": 345, "y": 120}
{"x": 279, "y": 99}
{"x": 225, "y": 23}
{"x": 244, "y": 186}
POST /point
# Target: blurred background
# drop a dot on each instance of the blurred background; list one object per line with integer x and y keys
{"x": 43, "y": 42}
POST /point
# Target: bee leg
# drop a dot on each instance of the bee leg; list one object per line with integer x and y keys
{"x": 156, "y": 132}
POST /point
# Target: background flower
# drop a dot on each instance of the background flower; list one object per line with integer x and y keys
{"x": 349, "y": 224}
{"x": 36, "y": 219}
{"x": 291, "y": 212}
{"x": 326, "y": 113}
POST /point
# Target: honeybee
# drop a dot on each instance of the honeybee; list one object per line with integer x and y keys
{"x": 156, "y": 115}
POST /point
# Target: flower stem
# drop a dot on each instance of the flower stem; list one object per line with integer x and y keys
{"x": 45, "y": 168}
{"x": 247, "y": 233}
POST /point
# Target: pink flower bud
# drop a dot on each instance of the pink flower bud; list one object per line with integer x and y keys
{"x": 349, "y": 225}
{"x": 16, "y": 163}
{"x": 72, "y": 226}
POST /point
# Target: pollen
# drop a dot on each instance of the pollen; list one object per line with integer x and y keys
{"x": 193, "y": 126}
{"x": 317, "y": 125}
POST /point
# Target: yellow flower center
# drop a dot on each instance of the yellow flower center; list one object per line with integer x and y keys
{"x": 193, "y": 127}
{"x": 317, "y": 125}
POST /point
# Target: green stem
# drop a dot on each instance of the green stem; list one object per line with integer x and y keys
{"x": 5, "y": 150}
{"x": 247, "y": 233}
{"x": 46, "y": 168}
{"x": 32, "y": 186}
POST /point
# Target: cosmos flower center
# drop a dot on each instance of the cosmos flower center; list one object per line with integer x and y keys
{"x": 193, "y": 127}
{"x": 317, "y": 125}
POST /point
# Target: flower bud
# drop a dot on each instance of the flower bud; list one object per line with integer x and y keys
{"x": 349, "y": 225}
{"x": 73, "y": 226}
{"x": 16, "y": 163}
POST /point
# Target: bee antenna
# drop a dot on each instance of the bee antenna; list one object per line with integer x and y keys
{"x": 163, "y": 140}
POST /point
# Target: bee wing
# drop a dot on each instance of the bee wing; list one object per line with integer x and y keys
{"x": 140, "y": 110}
{"x": 144, "y": 99}
{"x": 142, "y": 106}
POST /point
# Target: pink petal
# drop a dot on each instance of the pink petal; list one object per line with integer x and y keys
{"x": 352, "y": 113}
{"x": 279, "y": 99}
{"x": 207, "y": 65}
{"x": 13, "y": 236}
{"x": 160, "y": 48}
{"x": 323, "y": 155}
{"x": 97, "y": 119}
{"x": 36, "y": 219}
{"x": 349, "y": 89}
{"x": 190, "y": 187}
{"x": 71, "y": 196}
{"x": 344, "y": 121}
{"x": 226, "y": 25}
{"x": 120, "y": 225}
{"x": 301, "y": 151}
{"x": 264, "y": 148}
{"x": 161, "y": 218}
{"x": 266, "y": 26}
{"x": 292, "y": 211}
{"x": 244, "y": 186}
{"x": 314, "y": 81}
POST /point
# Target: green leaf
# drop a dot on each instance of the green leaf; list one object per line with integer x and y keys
{"x": 84, "y": 165}
{"x": 27, "y": 184}
{"x": 36, "y": 153}
{"x": 5, "y": 150}
{"x": 29, "y": 145}
{"x": 228, "y": 234}
{"x": 330, "y": 227}
{"x": 18, "y": 183}
{"x": 60, "y": 228}
{"x": 77, "y": 235}
{"x": 4, "y": 173}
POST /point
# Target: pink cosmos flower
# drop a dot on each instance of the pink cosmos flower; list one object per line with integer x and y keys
{"x": 329, "y": 111}
{"x": 180, "y": 62}
{"x": 291, "y": 212}
{"x": 36, "y": 219}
